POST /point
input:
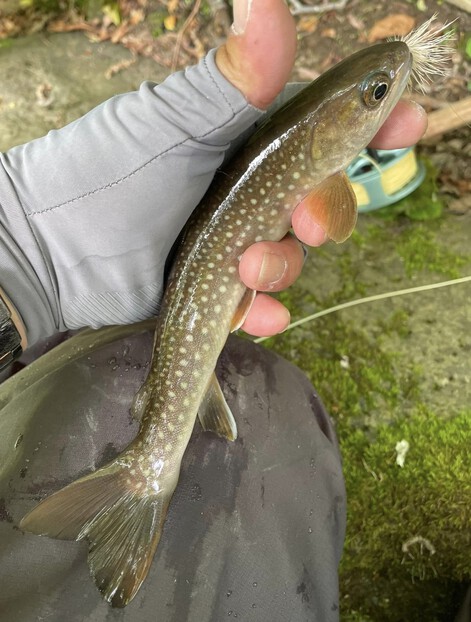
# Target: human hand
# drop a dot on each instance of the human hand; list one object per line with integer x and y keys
{"x": 258, "y": 58}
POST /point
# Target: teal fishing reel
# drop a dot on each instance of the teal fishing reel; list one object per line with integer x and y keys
{"x": 381, "y": 177}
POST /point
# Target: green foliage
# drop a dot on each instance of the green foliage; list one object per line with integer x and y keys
{"x": 155, "y": 21}
{"x": 468, "y": 47}
{"x": 90, "y": 9}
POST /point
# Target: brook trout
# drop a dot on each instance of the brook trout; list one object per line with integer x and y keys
{"x": 298, "y": 154}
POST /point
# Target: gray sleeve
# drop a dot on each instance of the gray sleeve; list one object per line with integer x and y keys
{"x": 89, "y": 213}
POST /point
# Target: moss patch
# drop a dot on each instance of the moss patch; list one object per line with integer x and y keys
{"x": 415, "y": 537}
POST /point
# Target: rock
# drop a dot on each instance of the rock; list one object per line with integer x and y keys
{"x": 50, "y": 80}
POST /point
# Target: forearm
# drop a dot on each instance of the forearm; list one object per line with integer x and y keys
{"x": 74, "y": 204}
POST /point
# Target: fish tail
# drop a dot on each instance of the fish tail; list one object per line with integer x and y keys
{"x": 119, "y": 517}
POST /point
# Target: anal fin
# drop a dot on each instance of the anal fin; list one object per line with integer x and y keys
{"x": 214, "y": 413}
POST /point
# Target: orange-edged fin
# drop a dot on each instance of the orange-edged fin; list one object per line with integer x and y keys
{"x": 121, "y": 520}
{"x": 214, "y": 413}
{"x": 243, "y": 309}
{"x": 333, "y": 205}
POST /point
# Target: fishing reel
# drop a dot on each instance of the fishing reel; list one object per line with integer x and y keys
{"x": 381, "y": 177}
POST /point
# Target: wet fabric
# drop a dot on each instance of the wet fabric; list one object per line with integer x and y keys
{"x": 255, "y": 528}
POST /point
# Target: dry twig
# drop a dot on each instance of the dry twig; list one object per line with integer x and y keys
{"x": 188, "y": 21}
{"x": 299, "y": 8}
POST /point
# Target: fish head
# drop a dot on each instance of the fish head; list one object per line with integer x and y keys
{"x": 356, "y": 97}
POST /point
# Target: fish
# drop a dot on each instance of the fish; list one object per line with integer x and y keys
{"x": 298, "y": 154}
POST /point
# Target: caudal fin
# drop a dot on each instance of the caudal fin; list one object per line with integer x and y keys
{"x": 122, "y": 522}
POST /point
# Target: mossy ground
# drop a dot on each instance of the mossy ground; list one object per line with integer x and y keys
{"x": 379, "y": 368}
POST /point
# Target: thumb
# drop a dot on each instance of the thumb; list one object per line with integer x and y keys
{"x": 259, "y": 54}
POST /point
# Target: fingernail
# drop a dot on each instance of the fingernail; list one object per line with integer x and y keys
{"x": 241, "y": 16}
{"x": 419, "y": 108}
{"x": 272, "y": 270}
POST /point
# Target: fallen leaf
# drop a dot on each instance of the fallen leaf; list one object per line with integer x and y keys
{"x": 170, "y": 22}
{"x": 308, "y": 24}
{"x": 117, "y": 67}
{"x": 397, "y": 24}
{"x": 172, "y": 6}
{"x": 329, "y": 33}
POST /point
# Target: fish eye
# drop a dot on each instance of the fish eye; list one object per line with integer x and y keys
{"x": 374, "y": 89}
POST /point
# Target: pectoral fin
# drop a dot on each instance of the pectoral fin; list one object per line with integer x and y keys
{"x": 333, "y": 205}
{"x": 243, "y": 309}
{"x": 214, "y": 413}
